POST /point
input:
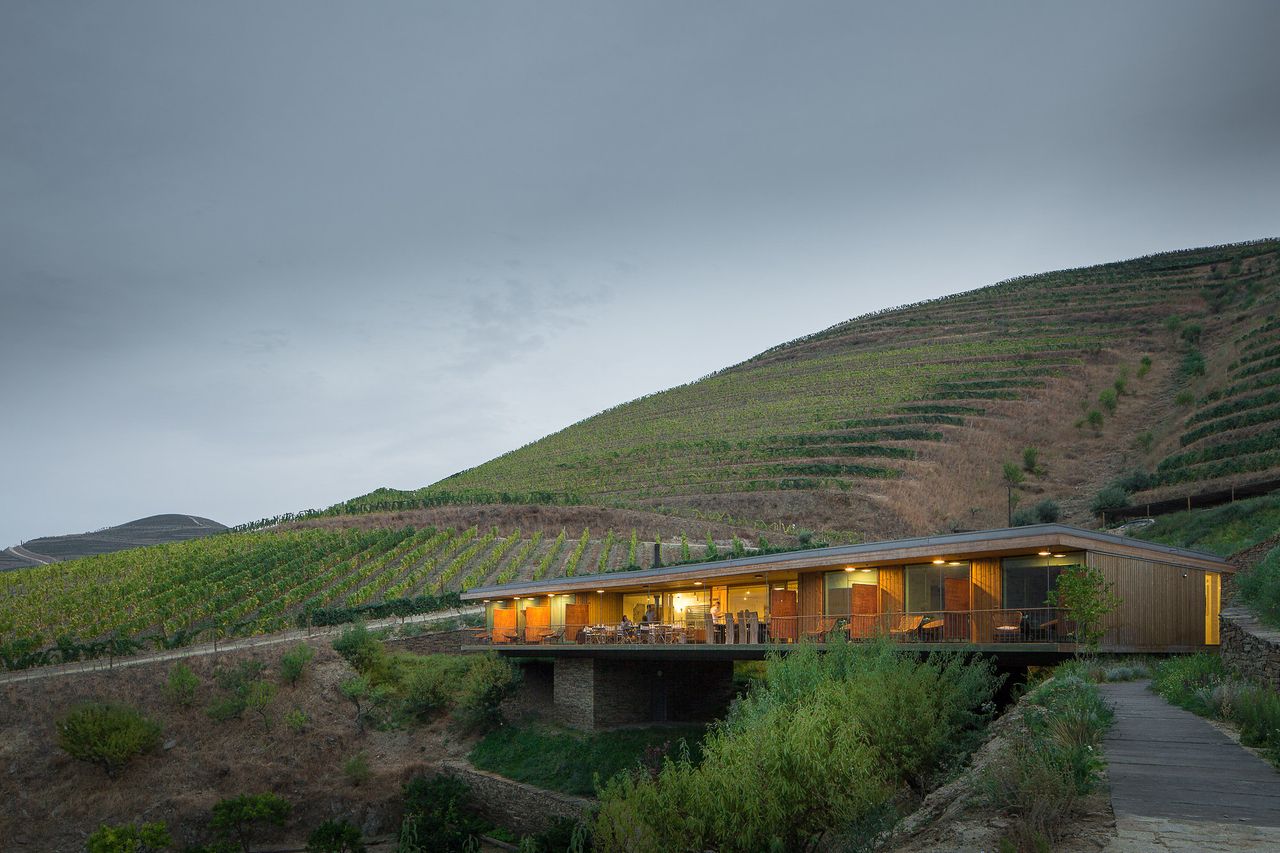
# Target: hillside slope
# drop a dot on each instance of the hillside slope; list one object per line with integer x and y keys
{"x": 899, "y": 423}
{"x": 152, "y": 530}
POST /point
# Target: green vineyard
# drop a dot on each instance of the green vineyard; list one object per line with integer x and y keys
{"x": 241, "y": 584}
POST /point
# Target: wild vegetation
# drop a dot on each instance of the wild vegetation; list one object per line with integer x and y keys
{"x": 1202, "y": 684}
{"x": 766, "y": 779}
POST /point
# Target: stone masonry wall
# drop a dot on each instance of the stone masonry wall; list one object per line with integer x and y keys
{"x": 439, "y": 642}
{"x": 514, "y": 805}
{"x": 1249, "y": 647}
{"x": 573, "y": 692}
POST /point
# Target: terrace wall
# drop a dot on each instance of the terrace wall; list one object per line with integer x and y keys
{"x": 1249, "y": 647}
{"x": 515, "y": 805}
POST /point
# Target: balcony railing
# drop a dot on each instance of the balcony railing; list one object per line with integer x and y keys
{"x": 1006, "y": 625}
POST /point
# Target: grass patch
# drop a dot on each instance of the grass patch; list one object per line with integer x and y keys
{"x": 569, "y": 761}
{"x": 1221, "y": 530}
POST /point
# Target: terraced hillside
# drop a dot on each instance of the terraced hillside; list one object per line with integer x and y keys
{"x": 261, "y": 582}
{"x": 900, "y": 422}
{"x": 152, "y": 530}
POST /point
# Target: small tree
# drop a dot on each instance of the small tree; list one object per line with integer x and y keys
{"x": 488, "y": 682}
{"x": 238, "y": 818}
{"x": 1108, "y": 400}
{"x": 1013, "y": 475}
{"x": 335, "y": 836}
{"x": 684, "y": 547}
{"x": 1031, "y": 460}
{"x": 258, "y": 698}
{"x": 129, "y": 838}
{"x": 294, "y": 662}
{"x": 712, "y": 551}
{"x": 357, "y": 692}
{"x": 107, "y": 735}
{"x": 1087, "y": 596}
{"x": 181, "y": 687}
{"x": 1094, "y": 419}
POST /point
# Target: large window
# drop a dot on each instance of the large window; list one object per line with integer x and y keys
{"x": 852, "y": 592}
{"x": 1027, "y": 581}
{"x": 938, "y": 587}
{"x": 748, "y": 598}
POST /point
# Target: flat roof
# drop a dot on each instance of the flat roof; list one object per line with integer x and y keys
{"x": 1001, "y": 541}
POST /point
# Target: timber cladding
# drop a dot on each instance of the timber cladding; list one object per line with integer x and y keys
{"x": 1162, "y": 605}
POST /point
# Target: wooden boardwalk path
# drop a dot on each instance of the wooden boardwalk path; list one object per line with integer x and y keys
{"x": 1178, "y": 783}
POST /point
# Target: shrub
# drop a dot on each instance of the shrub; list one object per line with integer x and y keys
{"x": 1144, "y": 441}
{"x": 1260, "y": 587}
{"x": 1110, "y": 498}
{"x": 356, "y": 769}
{"x": 181, "y": 687}
{"x": 294, "y": 662}
{"x": 129, "y": 838}
{"x": 1012, "y": 474}
{"x": 1191, "y": 333}
{"x": 335, "y": 836}
{"x": 297, "y": 720}
{"x": 236, "y": 678}
{"x": 1192, "y": 364}
{"x": 1031, "y": 460}
{"x": 429, "y": 687}
{"x": 1144, "y": 366}
{"x": 238, "y": 818}
{"x": 1108, "y": 400}
{"x": 894, "y": 721}
{"x": 1046, "y": 511}
{"x": 489, "y": 680}
{"x": 1094, "y": 419}
{"x": 107, "y": 735}
{"x": 439, "y": 815}
{"x": 226, "y": 708}
{"x": 361, "y": 649}
{"x": 1051, "y": 762}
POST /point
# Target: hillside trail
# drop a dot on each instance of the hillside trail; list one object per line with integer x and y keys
{"x": 1180, "y": 784}
{"x": 19, "y": 551}
{"x": 201, "y": 649}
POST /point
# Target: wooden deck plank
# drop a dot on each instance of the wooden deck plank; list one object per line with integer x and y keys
{"x": 1165, "y": 762}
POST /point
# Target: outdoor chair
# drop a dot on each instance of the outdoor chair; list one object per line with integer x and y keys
{"x": 1008, "y": 626}
{"x": 710, "y": 625}
{"x": 825, "y": 626}
{"x": 905, "y": 626}
{"x": 753, "y": 627}
{"x": 728, "y": 629}
{"x": 553, "y": 636}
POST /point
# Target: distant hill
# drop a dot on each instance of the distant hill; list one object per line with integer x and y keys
{"x": 153, "y": 530}
{"x": 1164, "y": 369}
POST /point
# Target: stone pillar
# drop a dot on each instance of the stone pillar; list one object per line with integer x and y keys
{"x": 595, "y": 693}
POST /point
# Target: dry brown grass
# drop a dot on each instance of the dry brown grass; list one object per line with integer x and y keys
{"x": 52, "y": 802}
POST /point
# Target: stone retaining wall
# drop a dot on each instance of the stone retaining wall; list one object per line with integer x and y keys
{"x": 514, "y": 805}
{"x": 436, "y": 642}
{"x": 1249, "y": 647}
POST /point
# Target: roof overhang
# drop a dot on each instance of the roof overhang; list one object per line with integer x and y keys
{"x": 1008, "y": 541}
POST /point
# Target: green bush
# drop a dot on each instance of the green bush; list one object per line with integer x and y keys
{"x": 1110, "y": 498}
{"x": 226, "y": 708}
{"x": 258, "y": 697}
{"x": 1052, "y": 760}
{"x": 107, "y": 735}
{"x": 430, "y": 686}
{"x": 895, "y": 722}
{"x": 356, "y": 769}
{"x": 439, "y": 815}
{"x": 489, "y": 680}
{"x": 1192, "y": 364}
{"x": 1108, "y": 400}
{"x": 361, "y": 649}
{"x": 239, "y": 818}
{"x": 129, "y": 838}
{"x": 297, "y": 720}
{"x": 335, "y": 836}
{"x": 181, "y": 687}
{"x": 1046, "y": 511}
{"x": 1144, "y": 366}
{"x": 1031, "y": 460}
{"x": 294, "y": 662}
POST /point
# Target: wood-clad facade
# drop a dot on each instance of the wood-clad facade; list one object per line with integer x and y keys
{"x": 981, "y": 589}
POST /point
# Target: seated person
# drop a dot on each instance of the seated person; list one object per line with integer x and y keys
{"x": 716, "y": 613}
{"x": 626, "y": 625}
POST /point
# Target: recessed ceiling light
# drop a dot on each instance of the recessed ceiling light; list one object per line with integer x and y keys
{"x": 599, "y": 590}
{"x": 939, "y": 561}
{"x": 864, "y": 570}
{"x": 1044, "y": 553}
{"x": 1059, "y": 555}
{"x": 779, "y": 588}
{"x": 848, "y": 568}
{"x": 697, "y": 583}
{"x": 953, "y": 564}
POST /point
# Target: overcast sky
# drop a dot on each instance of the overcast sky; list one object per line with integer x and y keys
{"x": 257, "y": 257}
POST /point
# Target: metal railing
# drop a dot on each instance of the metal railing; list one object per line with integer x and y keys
{"x": 981, "y": 627}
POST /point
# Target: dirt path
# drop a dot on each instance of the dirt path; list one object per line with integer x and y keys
{"x": 231, "y": 645}
{"x": 1177, "y": 783}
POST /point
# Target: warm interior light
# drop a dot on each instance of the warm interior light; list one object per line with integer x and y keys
{"x": 864, "y": 570}
{"x": 1059, "y": 555}
{"x": 1044, "y": 553}
{"x": 779, "y": 588}
{"x": 486, "y": 601}
{"x": 848, "y": 568}
{"x": 939, "y": 561}
{"x": 697, "y": 583}
{"x": 599, "y": 590}
{"x": 953, "y": 564}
